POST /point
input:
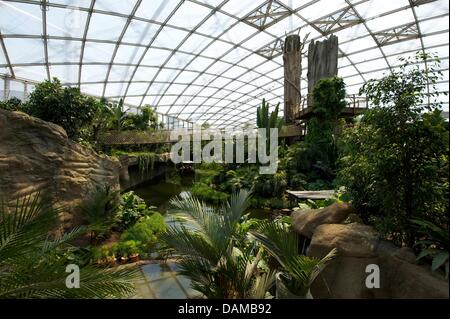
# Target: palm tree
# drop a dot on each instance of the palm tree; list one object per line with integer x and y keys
{"x": 34, "y": 266}
{"x": 209, "y": 252}
{"x": 298, "y": 271}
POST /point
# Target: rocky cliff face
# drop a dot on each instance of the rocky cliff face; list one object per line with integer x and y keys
{"x": 37, "y": 156}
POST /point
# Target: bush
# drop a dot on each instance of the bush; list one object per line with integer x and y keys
{"x": 13, "y": 104}
{"x": 66, "y": 107}
{"x": 394, "y": 163}
{"x": 208, "y": 194}
{"x": 144, "y": 233}
{"x": 131, "y": 209}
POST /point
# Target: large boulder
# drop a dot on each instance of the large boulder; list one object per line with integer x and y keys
{"x": 37, "y": 156}
{"x": 359, "y": 246}
{"x": 306, "y": 221}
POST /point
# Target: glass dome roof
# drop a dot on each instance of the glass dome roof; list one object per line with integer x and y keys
{"x": 207, "y": 60}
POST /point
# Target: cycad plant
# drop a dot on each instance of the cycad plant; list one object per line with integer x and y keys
{"x": 298, "y": 272}
{"x": 99, "y": 210}
{"x": 211, "y": 251}
{"x": 33, "y": 265}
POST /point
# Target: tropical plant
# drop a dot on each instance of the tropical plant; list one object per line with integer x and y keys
{"x": 131, "y": 209}
{"x": 434, "y": 245}
{"x": 298, "y": 271}
{"x": 394, "y": 162}
{"x": 118, "y": 115}
{"x": 322, "y": 128}
{"x": 65, "y": 106}
{"x": 210, "y": 250}
{"x": 100, "y": 209}
{"x": 13, "y": 104}
{"x": 145, "y": 232}
{"x": 33, "y": 264}
{"x": 266, "y": 119}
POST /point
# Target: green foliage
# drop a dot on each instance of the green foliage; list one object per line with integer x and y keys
{"x": 131, "y": 209}
{"x": 33, "y": 265}
{"x": 208, "y": 194}
{"x": 394, "y": 162}
{"x": 143, "y": 235}
{"x": 99, "y": 210}
{"x": 320, "y": 151}
{"x": 435, "y": 244}
{"x": 13, "y": 104}
{"x": 210, "y": 251}
{"x": 299, "y": 271}
{"x": 266, "y": 119}
{"x": 66, "y": 107}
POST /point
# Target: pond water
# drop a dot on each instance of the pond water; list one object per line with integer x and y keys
{"x": 157, "y": 192}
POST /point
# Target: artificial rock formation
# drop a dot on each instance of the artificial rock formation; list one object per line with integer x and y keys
{"x": 306, "y": 221}
{"x": 322, "y": 61}
{"x": 358, "y": 246}
{"x": 37, "y": 156}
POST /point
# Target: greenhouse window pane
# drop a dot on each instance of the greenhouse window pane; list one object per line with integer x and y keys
{"x": 120, "y": 73}
{"x": 75, "y": 3}
{"x": 156, "y": 56}
{"x": 66, "y": 73}
{"x": 18, "y": 18}
{"x": 105, "y": 27}
{"x": 34, "y": 73}
{"x": 114, "y": 89}
{"x": 145, "y": 73}
{"x": 140, "y": 32}
{"x": 122, "y": 6}
{"x": 129, "y": 54}
{"x": 66, "y": 22}
{"x": 157, "y": 10}
{"x": 25, "y": 50}
{"x": 195, "y": 43}
{"x": 216, "y": 24}
{"x": 189, "y": 15}
{"x": 63, "y": 50}
{"x": 93, "y": 73}
{"x": 98, "y": 52}
{"x": 170, "y": 38}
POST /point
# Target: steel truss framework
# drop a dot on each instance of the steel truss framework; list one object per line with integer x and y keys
{"x": 206, "y": 60}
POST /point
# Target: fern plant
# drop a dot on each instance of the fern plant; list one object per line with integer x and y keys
{"x": 32, "y": 265}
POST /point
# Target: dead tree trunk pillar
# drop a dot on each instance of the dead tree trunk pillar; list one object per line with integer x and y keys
{"x": 322, "y": 62}
{"x": 292, "y": 59}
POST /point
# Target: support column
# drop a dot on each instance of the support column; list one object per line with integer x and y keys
{"x": 322, "y": 62}
{"x": 292, "y": 59}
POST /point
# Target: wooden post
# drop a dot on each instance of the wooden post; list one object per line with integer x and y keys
{"x": 292, "y": 59}
{"x": 322, "y": 62}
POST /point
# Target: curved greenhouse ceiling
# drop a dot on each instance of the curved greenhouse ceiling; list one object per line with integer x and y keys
{"x": 207, "y": 60}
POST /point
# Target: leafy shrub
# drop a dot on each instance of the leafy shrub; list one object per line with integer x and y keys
{"x": 394, "y": 162}
{"x": 434, "y": 245}
{"x": 66, "y": 107}
{"x": 13, "y": 104}
{"x": 144, "y": 233}
{"x": 131, "y": 209}
{"x": 208, "y": 194}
